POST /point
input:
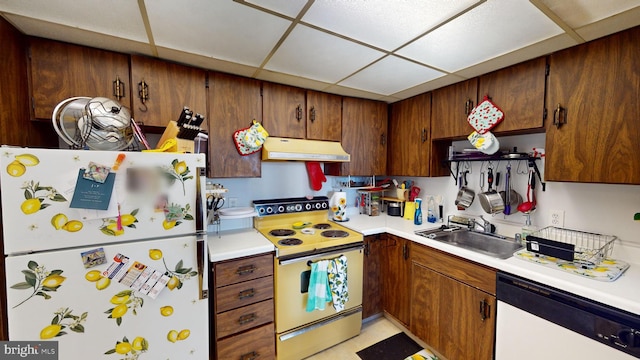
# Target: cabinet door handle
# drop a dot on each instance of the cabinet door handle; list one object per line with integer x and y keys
{"x": 245, "y": 319}
{"x": 383, "y": 139}
{"x": 244, "y": 294}
{"x": 244, "y": 270}
{"x": 312, "y": 114}
{"x": 423, "y": 136}
{"x": 118, "y": 88}
{"x": 250, "y": 356}
{"x": 485, "y": 310}
{"x": 558, "y": 118}
{"x": 405, "y": 251}
{"x": 366, "y": 249}
{"x": 299, "y": 112}
{"x": 143, "y": 93}
{"x": 468, "y": 106}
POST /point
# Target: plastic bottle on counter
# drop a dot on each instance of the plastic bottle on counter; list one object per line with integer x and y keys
{"x": 527, "y": 229}
{"x": 417, "y": 216}
{"x": 431, "y": 210}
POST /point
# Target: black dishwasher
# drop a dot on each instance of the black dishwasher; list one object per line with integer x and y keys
{"x": 610, "y": 326}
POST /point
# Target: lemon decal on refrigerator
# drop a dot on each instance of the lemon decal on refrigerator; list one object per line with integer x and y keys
{"x": 132, "y": 350}
{"x": 39, "y": 280}
{"x": 155, "y": 254}
{"x": 18, "y": 167}
{"x": 110, "y": 225}
{"x": 35, "y": 195}
{"x": 124, "y": 300}
{"x": 166, "y": 310}
{"x": 63, "y": 319}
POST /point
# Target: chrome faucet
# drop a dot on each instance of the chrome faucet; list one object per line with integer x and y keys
{"x": 486, "y": 226}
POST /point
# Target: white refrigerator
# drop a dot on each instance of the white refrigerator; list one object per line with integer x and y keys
{"x": 105, "y": 252}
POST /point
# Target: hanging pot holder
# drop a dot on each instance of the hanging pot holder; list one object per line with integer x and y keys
{"x": 485, "y": 116}
{"x": 249, "y": 140}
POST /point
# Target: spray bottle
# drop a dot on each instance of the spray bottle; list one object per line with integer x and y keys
{"x": 417, "y": 217}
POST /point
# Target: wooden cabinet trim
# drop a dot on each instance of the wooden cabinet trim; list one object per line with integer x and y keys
{"x": 249, "y": 268}
{"x": 468, "y": 272}
{"x": 243, "y": 293}
{"x": 244, "y": 318}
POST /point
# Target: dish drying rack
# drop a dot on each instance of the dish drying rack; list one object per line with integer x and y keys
{"x": 584, "y": 249}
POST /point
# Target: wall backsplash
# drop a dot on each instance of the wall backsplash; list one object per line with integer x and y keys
{"x": 601, "y": 208}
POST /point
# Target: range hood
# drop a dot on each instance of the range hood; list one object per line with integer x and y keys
{"x": 282, "y": 149}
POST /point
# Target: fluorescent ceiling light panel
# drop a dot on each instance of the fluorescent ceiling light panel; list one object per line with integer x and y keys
{"x": 577, "y": 13}
{"x": 495, "y": 28}
{"x": 289, "y": 8}
{"x": 120, "y": 18}
{"x": 319, "y": 56}
{"x": 390, "y": 75}
{"x": 382, "y": 23}
{"x": 222, "y": 29}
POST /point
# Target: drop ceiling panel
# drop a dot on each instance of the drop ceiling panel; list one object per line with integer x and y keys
{"x": 316, "y": 55}
{"x": 577, "y": 13}
{"x": 44, "y": 29}
{"x": 120, "y": 18}
{"x": 383, "y": 23}
{"x": 390, "y": 75}
{"x": 222, "y": 29}
{"x": 492, "y": 29}
{"x": 289, "y": 8}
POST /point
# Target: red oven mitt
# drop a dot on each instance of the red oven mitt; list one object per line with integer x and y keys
{"x": 316, "y": 176}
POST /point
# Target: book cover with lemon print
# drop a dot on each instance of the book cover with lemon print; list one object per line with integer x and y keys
{"x": 51, "y": 295}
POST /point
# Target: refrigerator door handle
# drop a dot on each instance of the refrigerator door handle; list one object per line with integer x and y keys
{"x": 200, "y": 215}
{"x": 201, "y": 246}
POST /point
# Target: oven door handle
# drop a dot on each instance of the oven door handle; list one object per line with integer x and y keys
{"x": 360, "y": 247}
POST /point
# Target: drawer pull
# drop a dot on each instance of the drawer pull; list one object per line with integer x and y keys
{"x": 244, "y": 270}
{"x": 250, "y": 356}
{"x": 245, "y": 319}
{"x": 246, "y": 294}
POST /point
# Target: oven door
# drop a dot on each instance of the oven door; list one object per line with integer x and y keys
{"x": 292, "y": 281}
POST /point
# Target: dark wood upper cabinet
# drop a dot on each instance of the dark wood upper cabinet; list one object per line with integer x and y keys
{"x": 234, "y": 102}
{"x": 59, "y": 71}
{"x": 170, "y": 87}
{"x": 364, "y": 137}
{"x": 409, "y": 137}
{"x": 450, "y": 107}
{"x": 596, "y": 87}
{"x": 285, "y": 110}
{"x": 324, "y": 116}
{"x": 519, "y": 92}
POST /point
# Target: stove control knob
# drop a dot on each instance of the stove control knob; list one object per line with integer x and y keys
{"x": 318, "y": 205}
{"x": 298, "y": 207}
{"x": 280, "y": 209}
{"x": 308, "y": 207}
{"x": 324, "y": 205}
{"x": 261, "y": 210}
{"x": 269, "y": 210}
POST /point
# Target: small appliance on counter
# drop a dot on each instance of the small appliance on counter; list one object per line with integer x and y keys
{"x": 395, "y": 208}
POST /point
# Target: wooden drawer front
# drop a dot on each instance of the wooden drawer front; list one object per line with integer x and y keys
{"x": 244, "y": 318}
{"x": 244, "y": 293}
{"x": 243, "y": 269}
{"x": 258, "y": 344}
{"x": 476, "y": 275}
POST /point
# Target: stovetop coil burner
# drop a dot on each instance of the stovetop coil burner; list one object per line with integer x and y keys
{"x": 322, "y": 226}
{"x": 334, "y": 233}
{"x": 290, "y": 242}
{"x": 281, "y": 232}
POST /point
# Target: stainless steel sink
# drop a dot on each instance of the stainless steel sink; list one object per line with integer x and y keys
{"x": 489, "y": 244}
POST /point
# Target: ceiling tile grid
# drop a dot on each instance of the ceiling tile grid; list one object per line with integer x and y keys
{"x": 376, "y": 49}
{"x": 319, "y": 56}
{"x": 222, "y": 29}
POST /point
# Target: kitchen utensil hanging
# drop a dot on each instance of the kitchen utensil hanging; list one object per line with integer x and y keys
{"x": 510, "y": 197}
{"x": 490, "y": 200}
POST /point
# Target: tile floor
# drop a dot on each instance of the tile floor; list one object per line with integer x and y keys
{"x": 372, "y": 332}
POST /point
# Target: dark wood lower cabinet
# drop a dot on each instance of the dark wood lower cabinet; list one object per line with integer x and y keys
{"x": 372, "y": 275}
{"x": 453, "y": 304}
{"x": 396, "y": 279}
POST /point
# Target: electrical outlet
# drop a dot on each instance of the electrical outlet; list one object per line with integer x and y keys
{"x": 233, "y": 202}
{"x": 557, "y": 218}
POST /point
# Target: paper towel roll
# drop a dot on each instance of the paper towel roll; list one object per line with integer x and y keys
{"x": 338, "y": 204}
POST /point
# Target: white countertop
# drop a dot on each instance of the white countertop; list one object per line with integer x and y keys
{"x": 237, "y": 243}
{"x": 624, "y": 293}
